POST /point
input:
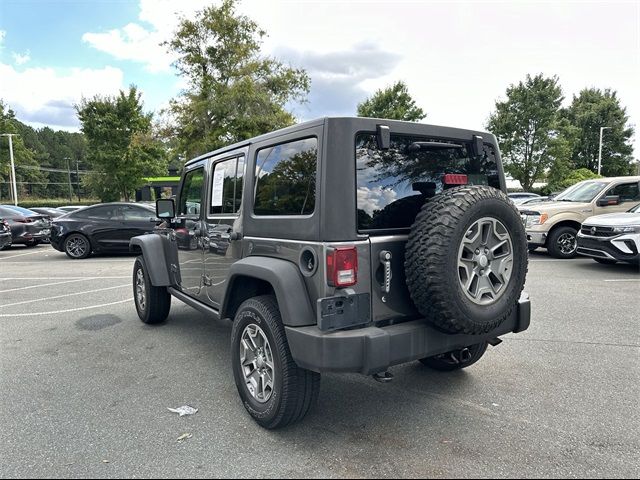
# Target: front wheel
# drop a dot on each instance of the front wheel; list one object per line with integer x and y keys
{"x": 456, "y": 359}
{"x": 563, "y": 242}
{"x": 152, "y": 303}
{"x": 274, "y": 390}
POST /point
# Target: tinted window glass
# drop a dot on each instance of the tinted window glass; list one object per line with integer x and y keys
{"x": 226, "y": 192}
{"x": 286, "y": 178}
{"x": 105, "y": 212}
{"x": 130, "y": 212}
{"x": 628, "y": 192}
{"x": 191, "y": 193}
{"x": 393, "y": 184}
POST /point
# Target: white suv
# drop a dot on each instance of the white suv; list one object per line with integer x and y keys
{"x": 611, "y": 238}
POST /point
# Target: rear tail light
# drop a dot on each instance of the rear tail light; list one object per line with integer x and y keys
{"x": 342, "y": 266}
{"x": 455, "y": 179}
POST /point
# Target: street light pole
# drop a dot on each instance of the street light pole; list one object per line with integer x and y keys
{"x": 602, "y": 129}
{"x": 69, "y": 176}
{"x": 13, "y": 167}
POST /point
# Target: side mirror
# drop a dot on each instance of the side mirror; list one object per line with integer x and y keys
{"x": 165, "y": 209}
{"x": 609, "y": 200}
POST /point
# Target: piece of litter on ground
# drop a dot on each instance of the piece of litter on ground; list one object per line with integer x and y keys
{"x": 184, "y": 436}
{"x": 105, "y": 461}
{"x": 184, "y": 410}
{"x": 495, "y": 405}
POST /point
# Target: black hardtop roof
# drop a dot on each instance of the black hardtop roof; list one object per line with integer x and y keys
{"x": 363, "y": 123}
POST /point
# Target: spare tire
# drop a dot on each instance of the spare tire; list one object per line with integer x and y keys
{"x": 466, "y": 259}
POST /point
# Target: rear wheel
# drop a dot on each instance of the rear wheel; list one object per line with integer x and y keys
{"x": 152, "y": 303}
{"x": 274, "y": 390}
{"x": 77, "y": 246}
{"x": 563, "y": 242}
{"x": 456, "y": 359}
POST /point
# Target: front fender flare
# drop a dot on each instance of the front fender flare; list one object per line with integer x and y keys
{"x": 157, "y": 253}
{"x": 287, "y": 282}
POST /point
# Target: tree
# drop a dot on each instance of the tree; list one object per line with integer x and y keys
{"x": 30, "y": 179}
{"x": 591, "y": 109}
{"x": 570, "y": 178}
{"x": 233, "y": 93}
{"x": 122, "y": 149}
{"x": 529, "y": 128}
{"x": 393, "y": 102}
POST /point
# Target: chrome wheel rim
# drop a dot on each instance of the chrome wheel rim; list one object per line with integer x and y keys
{"x": 568, "y": 243}
{"x": 76, "y": 247}
{"x": 485, "y": 261}
{"x": 141, "y": 294}
{"x": 257, "y": 364}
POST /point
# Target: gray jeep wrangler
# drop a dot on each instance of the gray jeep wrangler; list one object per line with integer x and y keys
{"x": 341, "y": 245}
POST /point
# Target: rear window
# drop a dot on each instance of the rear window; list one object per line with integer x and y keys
{"x": 393, "y": 184}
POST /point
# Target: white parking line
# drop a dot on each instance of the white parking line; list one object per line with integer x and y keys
{"x": 61, "y": 278}
{"x": 624, "y": 280}
{"x": 64, "y": 311}
{"x": 44, "y": 285}
{"x": 23, "y": 254}
{"x": 64, "y": 296}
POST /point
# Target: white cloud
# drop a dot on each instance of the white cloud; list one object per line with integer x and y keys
{"x": 143, "y": 44}
{"x": 46, "y": 96}
{"x": 21, "y": 58}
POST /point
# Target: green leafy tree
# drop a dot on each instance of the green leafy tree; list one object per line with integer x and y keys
{"x": 121, "y": 146}
{"x": 591, "y": 109}
{"x": 233, "y": 92}
{"x": 529, "y": 128}
{"x": 393, "y": 102}
{"x": 30, "y": 179}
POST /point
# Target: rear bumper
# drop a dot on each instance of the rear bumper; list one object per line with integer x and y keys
{"x": 371, "y": 350}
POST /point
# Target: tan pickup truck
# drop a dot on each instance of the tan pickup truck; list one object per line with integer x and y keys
{"x": 555, "y": 224}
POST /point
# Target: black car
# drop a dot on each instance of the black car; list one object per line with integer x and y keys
{"x": 106, "y": 227}
{"x": 5, "y": 234}
{"x": 50, "y": 211}
{"x": 27, "y": 227}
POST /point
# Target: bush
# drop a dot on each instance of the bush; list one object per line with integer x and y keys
{"x": 574, "y": 177}
{"x": 55, "y": 202}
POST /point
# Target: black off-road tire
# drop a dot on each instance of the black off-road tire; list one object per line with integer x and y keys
{"x": 295, "y": 389}
{"x": 553, "y": 242}
{"x": 450, "y": 361}
{"x": 431, "y": 260}
{"x": 157, "y": 300}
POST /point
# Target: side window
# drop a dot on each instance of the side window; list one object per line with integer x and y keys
{"x": 628, "y": 192}
{"x": 107, "y": 212}
{"x": 136, "y": 213}
{"x": 226, "y": 191}
{"x": 286, "y": 178}
{"x": 191, "y": 193}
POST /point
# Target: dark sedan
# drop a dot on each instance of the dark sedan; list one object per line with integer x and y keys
{"x": 106, "y": 227}
{"x": 27, "y": 227}
{"x": 5, "y": 234}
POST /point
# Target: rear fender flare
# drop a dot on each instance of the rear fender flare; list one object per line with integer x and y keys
{"x": 287, "y": 283}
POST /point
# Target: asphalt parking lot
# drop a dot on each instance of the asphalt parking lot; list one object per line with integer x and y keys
{"x": 85, "y": 386}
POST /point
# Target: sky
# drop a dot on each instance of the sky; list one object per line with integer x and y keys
{"x": 457, "y": 58}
